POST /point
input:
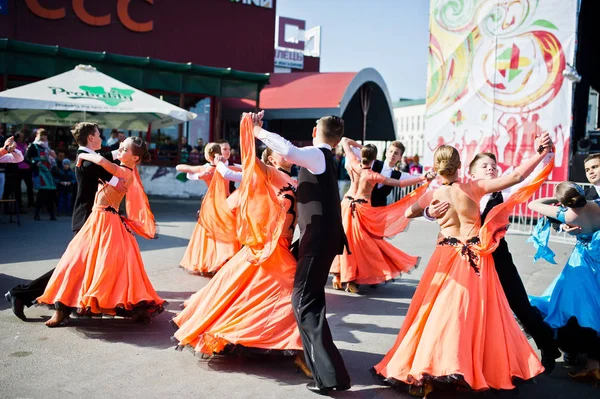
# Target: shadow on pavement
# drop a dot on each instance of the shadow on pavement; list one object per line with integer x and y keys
{"x": 154, "y": 335}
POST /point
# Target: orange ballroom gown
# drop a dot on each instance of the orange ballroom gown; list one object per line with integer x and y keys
{"x": 213, "y": 241}
{"x": 459, "y": 328}
{"x": 102, "y": 271}
{"x": 372, "y": 259}
{"x": 248, "y": 303}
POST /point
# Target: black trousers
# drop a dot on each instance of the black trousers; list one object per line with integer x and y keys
{"x": 29, "y": 292}
{"x": 572, "y": 338}
{"x": 26, "y": 176}
{"x": 46, "y": 198}
{"x": 515, "y": 292}
{"x": 308, "y": 302}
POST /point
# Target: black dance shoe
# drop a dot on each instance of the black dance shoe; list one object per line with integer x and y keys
{"x": 548, "y": 358}
{"x": 312, "y": 386}
{"x": 17, "y": 306}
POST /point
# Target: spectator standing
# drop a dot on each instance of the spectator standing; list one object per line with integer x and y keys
{"x": 41, "y": 157}
{"x": 113, "y": 139}
{"x": 186, "y": 149}
{"x": 416, "y": 168}
{"x": 23, "y": 174}
{"x": 65, "y": 181}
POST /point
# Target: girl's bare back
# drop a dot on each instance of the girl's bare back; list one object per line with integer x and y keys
{"x": 463, "y": 219}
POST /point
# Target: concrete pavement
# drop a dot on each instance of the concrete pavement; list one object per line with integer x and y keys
{"x": 116, "y": 358}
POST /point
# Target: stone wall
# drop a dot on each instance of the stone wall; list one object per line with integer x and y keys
{"x": 165, "y": 181}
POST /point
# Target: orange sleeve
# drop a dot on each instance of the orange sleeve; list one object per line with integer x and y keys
{"x": 387, "y": 221}
{"x": 260, "y": 217}
{"x": 139, "y": 216}
{"x": 497, "y": 220}
{"x": 216, "y": 216}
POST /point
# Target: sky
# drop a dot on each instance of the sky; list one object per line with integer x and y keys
{"x": 389, "y": 35}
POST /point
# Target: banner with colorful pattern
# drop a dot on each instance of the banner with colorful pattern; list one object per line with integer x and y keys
{"x": 495, "y": 78}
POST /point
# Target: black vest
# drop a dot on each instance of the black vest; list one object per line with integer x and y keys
{"x": 379, "y": 194}
{"x": 319, "y": 212}
{"x": 231, "y": 187}
{"x": 87, "y": 176}
{"x": 495, "y": 199}
{"x": 591, "y": 193}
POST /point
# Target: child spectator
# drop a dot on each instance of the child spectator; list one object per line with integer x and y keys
{"x": 65, "y": 181}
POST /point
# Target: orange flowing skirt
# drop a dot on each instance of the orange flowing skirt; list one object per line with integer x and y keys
{"x": 460, "y": 329}
{"x": 102, "y": 272}
{"x": 244, "y": 304}
{"x": 373, "y": 259}
{"x": 205, "y": 255}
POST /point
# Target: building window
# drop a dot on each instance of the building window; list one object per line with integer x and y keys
{"x": 419, "y": 122}
{"x": 412, "y": 122}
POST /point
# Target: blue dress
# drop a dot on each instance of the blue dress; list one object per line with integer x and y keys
{"x": 571, "y": 304}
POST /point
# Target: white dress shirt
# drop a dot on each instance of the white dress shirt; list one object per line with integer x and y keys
{"x": 387, "y": 172}
{"x": 597, "y": 189}
{"x": 311, "y": 158}
{"x": 114, "y": 180}
{"x": 227, "y": 173}
{"x": 12, "y": 157}
{"x": 222, "y": 168}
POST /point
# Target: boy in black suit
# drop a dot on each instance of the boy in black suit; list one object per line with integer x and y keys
{"x": 592, "y": 172}
{"x": 88, "y": 174}
{"x": 387, "y": 168}
{"x": 322, "y": 237}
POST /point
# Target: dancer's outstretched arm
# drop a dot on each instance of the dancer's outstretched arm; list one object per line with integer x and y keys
{"x": 226, "y": 171}
{"x": 99, "y": 160}
{"x": 522, "y": 171}
{"x": 543, "y": 206}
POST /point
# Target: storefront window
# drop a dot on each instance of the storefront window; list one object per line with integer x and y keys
{"x": 199, "y": 128}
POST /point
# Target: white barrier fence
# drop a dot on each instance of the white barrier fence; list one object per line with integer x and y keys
{"x": 523, "y": 219}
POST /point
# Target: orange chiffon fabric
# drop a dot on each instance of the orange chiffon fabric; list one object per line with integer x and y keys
{"x": 373, "y": 259}
{"x": 248, "y": 302}
{"x": 459, "y": 327}
{"x": 140, "y": 217}
{"x": 102, "y": 271}
{"x": 213, "y": 240}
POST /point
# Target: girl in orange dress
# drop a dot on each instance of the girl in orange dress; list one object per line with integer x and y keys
{"x": 213, "y": 240}
{"x": 102, "y": 271}
{"x": 459, "y": 328}
{"x": 248, "y": 303}
{"x": 372, "y": 259}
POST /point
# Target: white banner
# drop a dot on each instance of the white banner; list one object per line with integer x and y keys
{"x": 495, "y": 78}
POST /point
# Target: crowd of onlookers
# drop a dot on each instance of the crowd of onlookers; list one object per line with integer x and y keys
{"x": 47, "y": 173}
{"x": 49, "y": 179}
{"x": 406, "y": 165}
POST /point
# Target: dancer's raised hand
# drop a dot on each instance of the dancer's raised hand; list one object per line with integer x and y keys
{"x": 220, "y": 158}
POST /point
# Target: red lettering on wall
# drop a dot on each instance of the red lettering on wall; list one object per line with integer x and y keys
{"x": 43, "y": 12}
{"x": 128, "y": 22}
{"x": 93, "y": 20}
{"x": 88, "y": 18}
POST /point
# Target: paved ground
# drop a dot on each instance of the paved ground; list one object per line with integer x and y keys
{"x": 116, "y": 358}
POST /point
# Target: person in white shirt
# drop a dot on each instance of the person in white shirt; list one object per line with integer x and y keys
{"x": 8, "y": 154}
{"x": 322, "y": 237}
{"x": 388, "y": 168}
{"x": 592, "y": 172}
{"x": 87, "y": 136}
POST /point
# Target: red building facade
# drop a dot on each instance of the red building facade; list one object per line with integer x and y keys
{"x": 218, "y": 33}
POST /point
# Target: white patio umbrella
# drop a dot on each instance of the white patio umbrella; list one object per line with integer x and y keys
{"x": 84, "y": 94}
